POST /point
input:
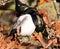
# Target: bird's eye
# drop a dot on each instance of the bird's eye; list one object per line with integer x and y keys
{"x": 18, "y": 5}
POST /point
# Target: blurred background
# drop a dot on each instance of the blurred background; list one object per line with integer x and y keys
{"x": 8, "y": 16}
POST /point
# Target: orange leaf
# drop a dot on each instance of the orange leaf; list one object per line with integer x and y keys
{"x": 41, "y": 2}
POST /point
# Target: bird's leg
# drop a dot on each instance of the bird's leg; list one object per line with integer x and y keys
{"x": 16, "y": 38}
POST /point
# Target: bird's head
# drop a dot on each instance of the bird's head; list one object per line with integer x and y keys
{"x": 22, "y": 5}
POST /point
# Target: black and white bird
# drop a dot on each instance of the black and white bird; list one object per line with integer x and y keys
{"x": 28, "y": 21}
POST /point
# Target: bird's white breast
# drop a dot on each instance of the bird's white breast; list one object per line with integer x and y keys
{"x": 26, "y": 24}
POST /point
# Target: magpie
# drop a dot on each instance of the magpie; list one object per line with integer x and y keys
{"x": 29, "y": 20}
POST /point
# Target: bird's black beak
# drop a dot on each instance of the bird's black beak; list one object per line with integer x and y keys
{"x": 58, "y": 1}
